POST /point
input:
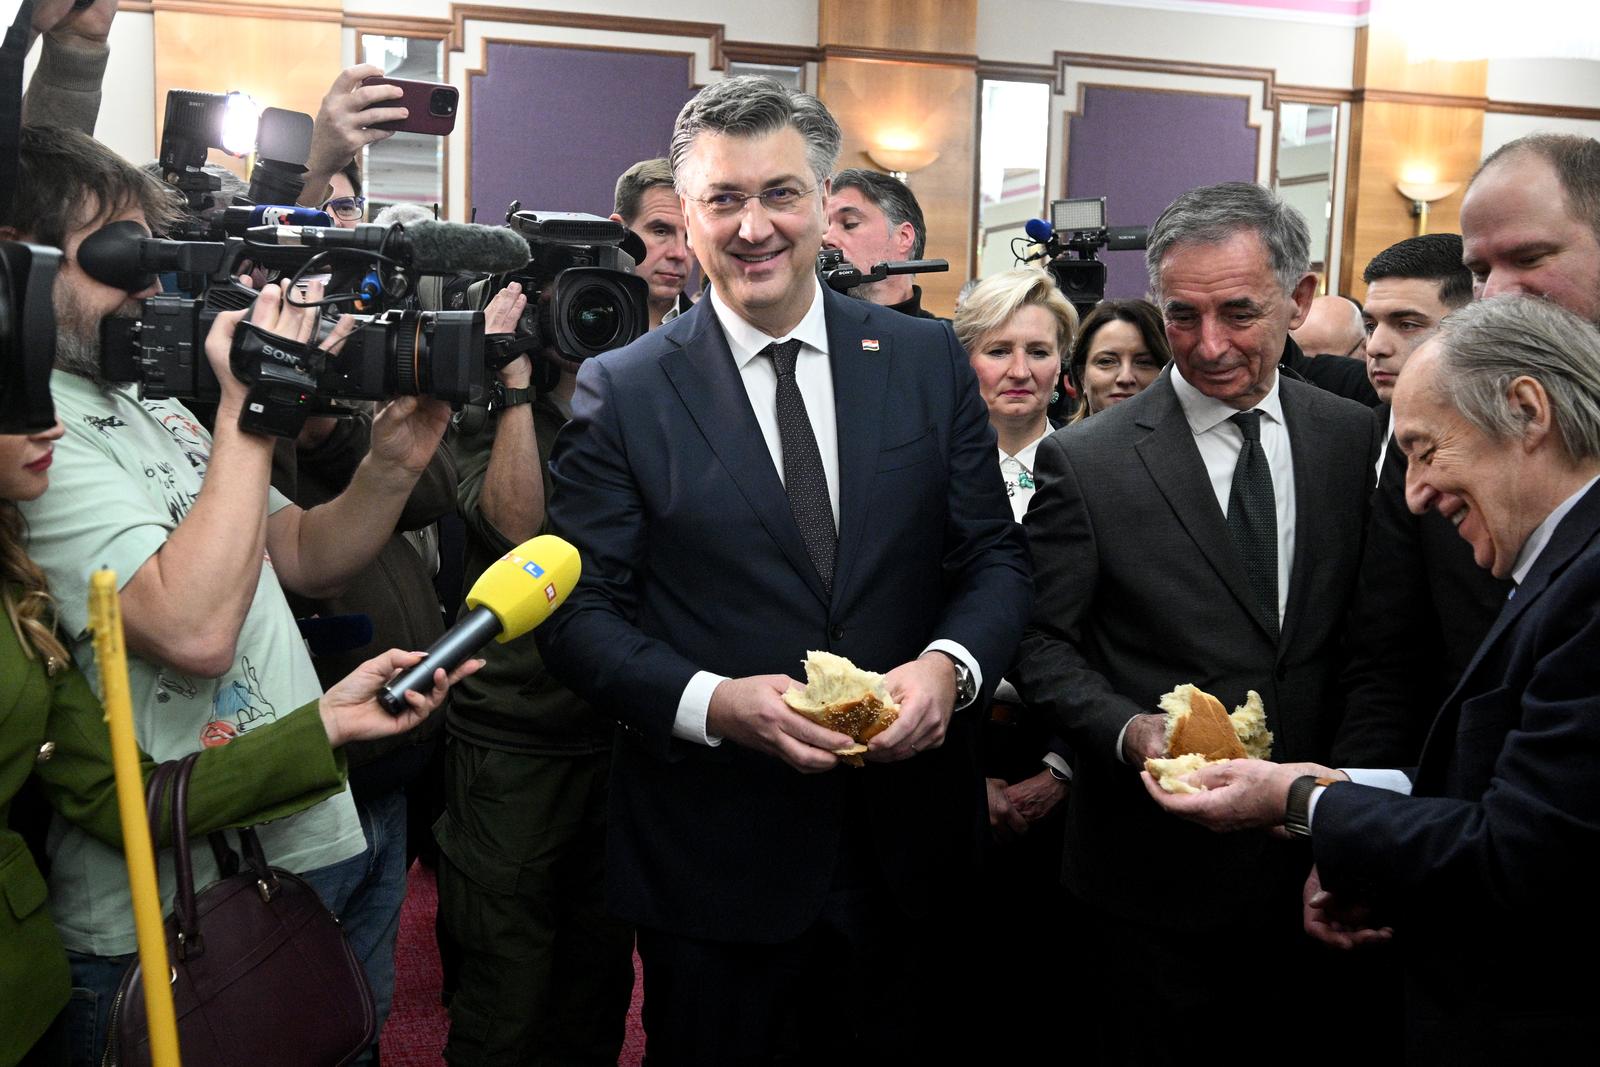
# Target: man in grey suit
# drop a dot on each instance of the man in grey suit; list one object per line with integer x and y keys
{"x": 1206, "y": 531}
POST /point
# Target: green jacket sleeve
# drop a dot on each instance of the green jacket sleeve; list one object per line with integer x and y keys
{"x": 261, "y": 775}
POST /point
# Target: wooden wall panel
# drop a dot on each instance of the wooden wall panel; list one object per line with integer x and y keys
{"x": 1391, "y": 136}
{"x": 935, "y": 105}
{"x": 1394, "y": 138}
{"x": 949, "y": 27}
{"x": 279, "y": 63}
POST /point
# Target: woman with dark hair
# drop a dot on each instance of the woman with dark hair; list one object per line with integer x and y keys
{"x": 1120, "y": 350}
{"x": 52, "y": 729}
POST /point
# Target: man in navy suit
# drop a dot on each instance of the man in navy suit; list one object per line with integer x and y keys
{"x": 777, "y": 470}
{"x": 1480, "y": 862}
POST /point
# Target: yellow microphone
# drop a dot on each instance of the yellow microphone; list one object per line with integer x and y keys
{"x": 517, "y": 592}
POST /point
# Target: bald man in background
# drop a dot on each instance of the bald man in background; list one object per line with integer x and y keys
{"x": 1333, "y": 328}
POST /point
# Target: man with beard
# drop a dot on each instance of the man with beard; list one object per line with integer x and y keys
{"x": 203, "y": 550}
{"x": 872, "y": 219}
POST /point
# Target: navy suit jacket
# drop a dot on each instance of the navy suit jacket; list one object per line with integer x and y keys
{"x": 1488, "y": 871}
{"x": 692, "y": 561}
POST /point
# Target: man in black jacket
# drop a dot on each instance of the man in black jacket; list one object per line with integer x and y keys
{"x": 1422, "y": 605}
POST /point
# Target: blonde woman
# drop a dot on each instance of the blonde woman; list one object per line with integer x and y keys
{"x": 1016, "y": 327}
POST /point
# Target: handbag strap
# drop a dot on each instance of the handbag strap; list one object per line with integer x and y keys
{"x": 183, "y": 904}
{"x": 155, "y": 797}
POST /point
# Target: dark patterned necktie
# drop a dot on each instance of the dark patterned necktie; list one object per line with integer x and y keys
{"x": 1253, "y": 517}
{"x": 804, "y": 479}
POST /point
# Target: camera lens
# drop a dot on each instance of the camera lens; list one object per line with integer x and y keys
{"x": 594, "y": 318}
{"x": 442, "y": 103}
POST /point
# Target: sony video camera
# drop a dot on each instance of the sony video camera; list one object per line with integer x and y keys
{"x": 583, "y": 297}
{"x": 840, "y": 275}
{"x": 399, "y": 350}
{"x": 1075, "y": 232}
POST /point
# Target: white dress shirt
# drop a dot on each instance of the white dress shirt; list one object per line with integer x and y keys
{"x": 1017, "y": 471}
{"x": 1532, "y": 548}
{"x": 1219, "y": 442}
{"x": 1383, "y": 449}
{"x": 813, "y": 373}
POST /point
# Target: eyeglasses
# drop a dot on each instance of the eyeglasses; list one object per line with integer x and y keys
{"x": 347, "y": 208}
{"x": 779, "y": 200}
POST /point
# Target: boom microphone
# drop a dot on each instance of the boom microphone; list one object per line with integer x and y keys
{"x": 516, "y": 593}
{"x": 1039, "y": 231}
{"x": 428, "y": 247}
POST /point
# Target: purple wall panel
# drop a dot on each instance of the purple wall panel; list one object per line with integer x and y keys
{"x": 1140, "y": 149}
{"x": 553, "y": 126}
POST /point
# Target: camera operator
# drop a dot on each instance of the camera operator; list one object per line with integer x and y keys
{"x": 545, "y": 975}
{"x": 345, "y": 124}
{"x": 345, "y": 203}
{"x": 647, "y": 204}
{"x": 65, "y": 89}
{"x": 203, "y": 548}
{"x": 872, "y": 219}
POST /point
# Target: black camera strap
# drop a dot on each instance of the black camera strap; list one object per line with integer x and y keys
{"x": 502, "y": 348}
{"x": 13, "y": 52}
{"x": 281, "y": 375}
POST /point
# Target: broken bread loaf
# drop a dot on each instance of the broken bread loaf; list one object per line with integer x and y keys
{"x": 843, "y": 697}
{"x": 1200, "y": 732}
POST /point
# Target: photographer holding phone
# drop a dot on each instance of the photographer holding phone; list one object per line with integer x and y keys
{"x": 204, "y": 550}
{"x": 347, "y": 122}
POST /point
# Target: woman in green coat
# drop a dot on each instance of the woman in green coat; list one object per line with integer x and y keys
{"x": 52, "y": 728}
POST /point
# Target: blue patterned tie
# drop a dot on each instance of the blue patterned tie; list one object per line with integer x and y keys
{"x": 1253, "y": 517}
{"x": 804, "y": 479}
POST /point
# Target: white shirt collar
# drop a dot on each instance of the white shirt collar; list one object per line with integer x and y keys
{"x": 1206, "y": 413}
{"x": 1535, "y": 545}
{"x": 746, "y": 341}
{"x": 1026, "y": 454}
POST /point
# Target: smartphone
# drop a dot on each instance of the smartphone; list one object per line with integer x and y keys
{"x": 433, "y": 106}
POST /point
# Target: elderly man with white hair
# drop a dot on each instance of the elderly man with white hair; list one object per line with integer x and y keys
{"x": 1480, "y": 862}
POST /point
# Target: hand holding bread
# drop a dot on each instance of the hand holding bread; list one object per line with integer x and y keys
{"x": 1199, "y": 732}
{"x": 751, "y": 712}
{"x": 891, "y": 716}
{"x": 842, "y": 697}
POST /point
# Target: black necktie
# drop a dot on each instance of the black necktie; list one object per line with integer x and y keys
{"x": 1253, "y": 517}
{"x": 804, "y": 479}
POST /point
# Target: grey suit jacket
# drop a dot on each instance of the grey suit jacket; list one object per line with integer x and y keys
{"x": 1138, "y": 589}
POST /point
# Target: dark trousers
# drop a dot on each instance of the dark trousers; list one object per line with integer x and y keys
{"x": 543, "y": 974}
{"x": 863, "y": 984}
{"x": 1263, "y": 982}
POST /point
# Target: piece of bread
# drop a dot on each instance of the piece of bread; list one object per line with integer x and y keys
{"x": 1169, "y": 773}
{"x": 1197, "y": 723}
{"x": 1200, "y": 733}
{"x": 843, "y": 697}
{"x": 1250, "y": 723}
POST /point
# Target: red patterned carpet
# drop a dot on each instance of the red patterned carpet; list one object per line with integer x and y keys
{"x": 415, "y": 1034}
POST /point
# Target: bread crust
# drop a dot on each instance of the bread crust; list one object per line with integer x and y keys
{"x": 863, "y": 715}
{"x": 1206, "y": 730}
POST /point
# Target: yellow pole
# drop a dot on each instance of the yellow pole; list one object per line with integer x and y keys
{"x": 105, "y": 619}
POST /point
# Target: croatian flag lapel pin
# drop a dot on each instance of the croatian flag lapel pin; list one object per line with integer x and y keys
{"x": 869, "y": 344}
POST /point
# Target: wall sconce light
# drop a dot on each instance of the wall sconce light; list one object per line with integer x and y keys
{"x": 1422, "y": 188}
{"x": 901, "y": 162}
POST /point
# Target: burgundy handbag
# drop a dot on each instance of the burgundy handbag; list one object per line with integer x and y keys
{"x": 261, "y": 971}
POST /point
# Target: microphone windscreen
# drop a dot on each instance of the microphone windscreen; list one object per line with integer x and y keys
{"x": 1039, "y": 230}
{"x": 526, "y": 584}
{"x": 454, "y": 247}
